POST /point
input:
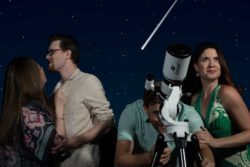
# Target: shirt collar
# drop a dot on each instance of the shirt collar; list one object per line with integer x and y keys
{"x": 74, "y": 74}
{"x": 145, "y": 116}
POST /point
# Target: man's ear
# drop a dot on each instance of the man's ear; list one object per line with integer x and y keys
{"x": 145, "y": 108}
{"x": 69, "y": 54}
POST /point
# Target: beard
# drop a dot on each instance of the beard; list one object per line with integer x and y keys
{"x": 51, "y": 67}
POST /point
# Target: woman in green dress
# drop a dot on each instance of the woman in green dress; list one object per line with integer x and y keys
{"x": 219, "y": 103}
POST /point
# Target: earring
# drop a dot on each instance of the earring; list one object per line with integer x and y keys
{"x": 197, "y": 74}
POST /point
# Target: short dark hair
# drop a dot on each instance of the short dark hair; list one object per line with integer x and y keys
{"x": 67, "y": 42}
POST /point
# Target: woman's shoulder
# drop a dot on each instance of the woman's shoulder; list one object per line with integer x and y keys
{"x": 227, "y": 91}
{"x": 36, "y": 109}
{"x": 35, "y": 106}
{"x": 228, "y": 94}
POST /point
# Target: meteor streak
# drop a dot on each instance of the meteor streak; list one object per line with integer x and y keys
{"x": 158, "y": 25}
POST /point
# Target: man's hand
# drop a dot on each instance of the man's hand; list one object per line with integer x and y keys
{"x": 65, "y": 144}
{"x": 57, "y": 139}
{"x": 165, "y": 156}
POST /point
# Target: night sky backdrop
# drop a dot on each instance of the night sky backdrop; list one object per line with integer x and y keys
{"x": 111, "y": 33}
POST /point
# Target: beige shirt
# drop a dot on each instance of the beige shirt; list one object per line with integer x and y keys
{"x": 86, "y": 105}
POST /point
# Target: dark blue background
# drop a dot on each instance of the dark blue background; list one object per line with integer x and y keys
{"x": 111, "y": 33}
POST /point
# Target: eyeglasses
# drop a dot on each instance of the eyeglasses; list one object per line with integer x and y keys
{"x": 52, "y": 51}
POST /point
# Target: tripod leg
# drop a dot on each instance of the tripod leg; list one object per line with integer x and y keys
{"x": 159, "y": 146}
{"x": 196, "y": 149}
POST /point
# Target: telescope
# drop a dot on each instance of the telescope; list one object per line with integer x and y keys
{"x": 177, "y": 59}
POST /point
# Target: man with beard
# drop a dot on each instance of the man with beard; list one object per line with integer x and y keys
{"x": 87, "y": 114}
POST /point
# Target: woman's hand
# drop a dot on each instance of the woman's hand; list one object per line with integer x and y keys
{"x": 205, "y": 137}
{"x": 60, "y": 101}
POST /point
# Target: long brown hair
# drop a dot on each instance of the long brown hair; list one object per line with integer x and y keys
{"x": 225, "y": 77}
{"x": 23, "y": 83}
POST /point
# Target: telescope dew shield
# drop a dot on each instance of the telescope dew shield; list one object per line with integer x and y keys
{"x": 176, "y": 63}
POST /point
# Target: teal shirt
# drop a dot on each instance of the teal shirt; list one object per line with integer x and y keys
{"x": 134, "y": 125}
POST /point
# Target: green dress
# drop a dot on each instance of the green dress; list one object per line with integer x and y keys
{"x": 219, "y": 124}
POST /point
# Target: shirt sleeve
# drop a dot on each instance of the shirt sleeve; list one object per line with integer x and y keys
{"x": 38, "y": 132}
{"x": 126, "y": 125}
{"x": 194, "y": 119}
{"x": 97, "y": 102}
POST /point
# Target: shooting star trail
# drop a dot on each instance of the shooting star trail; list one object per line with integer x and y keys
{"x": 158, "y": 25}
